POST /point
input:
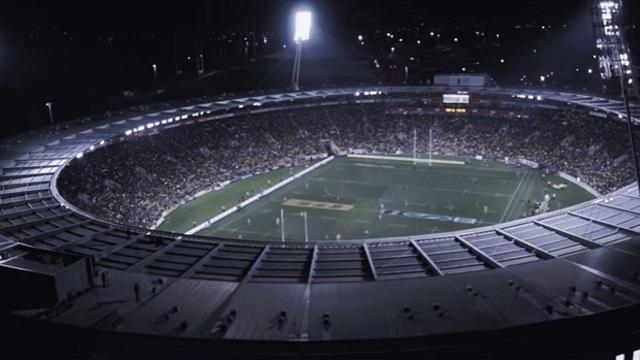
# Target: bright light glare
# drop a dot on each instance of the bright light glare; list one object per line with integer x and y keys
{"x": 302, "y": 26}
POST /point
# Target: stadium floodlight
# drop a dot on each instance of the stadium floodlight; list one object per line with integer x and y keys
{"x": 49, "y": 106}
{"x": 301, "y": 34}
{"x": 302, "y": 26}
{"x": 615, "y": 60}
{"x": 610, "y": 38}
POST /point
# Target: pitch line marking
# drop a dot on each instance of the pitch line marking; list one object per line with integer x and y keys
{"x": 321, "y": 179}
{"x": 362, "y": 221}
{"x": 506, "y": 209}
{"x": 375, "y": 166}
{"x": 460, "y": 171}
{"x": 418, "y": 160}
{"x": 259, "y": 196}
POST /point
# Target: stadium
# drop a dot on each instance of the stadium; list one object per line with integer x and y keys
{"x": 457, "y": 219}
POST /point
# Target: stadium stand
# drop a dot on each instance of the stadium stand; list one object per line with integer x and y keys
{"x": 123, "y": 184}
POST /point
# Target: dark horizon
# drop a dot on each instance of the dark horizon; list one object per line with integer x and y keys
{"x": 90, "y": 57}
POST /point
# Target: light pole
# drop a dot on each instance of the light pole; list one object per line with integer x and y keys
{"x": 49, "y": 106}
{"x": 430, "y": 144}
{"x": 306, "y": 228}
{"x": 282, "y": 226}
{"x": 615, "y": 60}
{"x": 155, "y": 72}
{"x": 415, "y": 141}
{"x": 301, "y": 35}
{"x": 201, "y": 59}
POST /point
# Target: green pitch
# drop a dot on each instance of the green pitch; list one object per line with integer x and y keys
{"x": 367, "y": 198}
{"x": 205, "y": 207}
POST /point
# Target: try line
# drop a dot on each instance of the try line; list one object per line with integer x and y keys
{"x": 258, "y": 196}
{"x": 405, "y": 159}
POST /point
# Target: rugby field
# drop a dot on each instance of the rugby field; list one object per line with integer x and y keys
{"x": 353, "y": 198}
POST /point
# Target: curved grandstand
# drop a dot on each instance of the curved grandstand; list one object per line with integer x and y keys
{"x": 80, "y": 200}
{"x": 135, "y": 182}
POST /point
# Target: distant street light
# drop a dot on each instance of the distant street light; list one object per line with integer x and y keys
{"x": 155, "y": 72}
{"x": 49, "y": 105}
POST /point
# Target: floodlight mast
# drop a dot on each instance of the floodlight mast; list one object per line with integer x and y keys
{"x": 301, "y": 34}
{"x": 615, "y": 60}
{"x": 49, "y": 106}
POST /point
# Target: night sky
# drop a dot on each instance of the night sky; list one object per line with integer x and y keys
{"x": 88, "y": 57}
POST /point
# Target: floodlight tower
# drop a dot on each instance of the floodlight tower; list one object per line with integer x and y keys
{"x": 615, "y": 59}
{"x": 49, "y": 106}
{"x": 302, "y": 29}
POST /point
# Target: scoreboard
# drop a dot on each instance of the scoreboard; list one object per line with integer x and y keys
{"x": 456, "y": 99}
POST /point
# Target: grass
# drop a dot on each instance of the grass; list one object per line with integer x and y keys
{"x": 206, "y": 206}
{"x": 342, "y": 200}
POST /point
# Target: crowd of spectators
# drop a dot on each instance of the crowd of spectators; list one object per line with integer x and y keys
{"x": 136, "y": 181}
